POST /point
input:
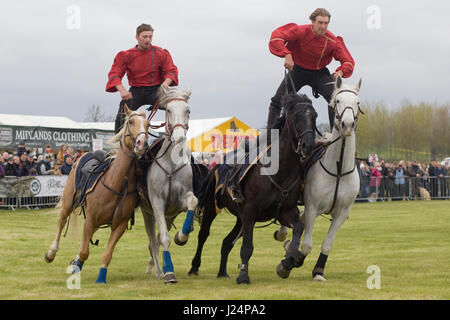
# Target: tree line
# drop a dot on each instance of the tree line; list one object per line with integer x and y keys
{"x": 409, "y": 132}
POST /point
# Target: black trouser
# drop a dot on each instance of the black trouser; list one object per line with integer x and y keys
{"x": 320, "y": 81}
{"x": 141, "y": 96}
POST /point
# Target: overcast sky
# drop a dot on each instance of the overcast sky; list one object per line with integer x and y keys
{"x": 220, "y": 48}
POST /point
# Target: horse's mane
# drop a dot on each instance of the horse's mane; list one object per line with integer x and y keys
{"x": 171, "y": 93}
{"x": 121, "y": 132}
{"x": 114, "y": 141}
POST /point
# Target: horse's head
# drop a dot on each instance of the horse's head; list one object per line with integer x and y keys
{"x": 135, "y": 131}
{"x": 175, "y": 103}
{"x": 345, "y": 102}
{"x": 300, "y": 122}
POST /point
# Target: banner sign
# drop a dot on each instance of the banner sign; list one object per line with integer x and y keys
{"x": 35, "y": 186}
{"x": 11, "y": 136}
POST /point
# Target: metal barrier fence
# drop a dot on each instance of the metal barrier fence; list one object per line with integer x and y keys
{"x": 31, "y": 192}
{"x": 29, "y": 203}
{"x": 372, "y": 189}
{"x": 406, "y": 188}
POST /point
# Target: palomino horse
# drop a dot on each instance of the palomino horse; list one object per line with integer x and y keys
{"x": 169, "y": 184}
{"x": 267, "y": 197}
{"x": 332, "y": 183}
{"x": 113, "y": 200}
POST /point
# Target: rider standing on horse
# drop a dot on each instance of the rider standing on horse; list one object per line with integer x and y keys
{"x": 307, "y": 50}
{"x": 147, "y": 66}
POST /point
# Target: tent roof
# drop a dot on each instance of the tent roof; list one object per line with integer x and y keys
{"x": 196, "y": 127}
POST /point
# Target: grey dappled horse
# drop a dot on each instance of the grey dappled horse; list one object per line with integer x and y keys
{"x": 169, "y": 181}
{"x": 332, "y": 183}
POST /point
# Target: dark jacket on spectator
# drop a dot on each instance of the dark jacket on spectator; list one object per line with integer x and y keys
{"x": 65, "y": 169}
{"x": 2, "y": 170}
{"x": 11, "y": 170}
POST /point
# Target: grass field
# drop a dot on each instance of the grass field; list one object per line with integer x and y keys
{"x": 408, "y": 241}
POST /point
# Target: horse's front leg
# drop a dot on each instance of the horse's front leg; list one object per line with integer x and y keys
{"x": 247, "y": 246}
{"x": 181, "y": 237}
{"x": 153, "y": 243}
{"x": 159, "y": 209}
{"x": 294, "y": 258}
{"x": 327, "y": 243}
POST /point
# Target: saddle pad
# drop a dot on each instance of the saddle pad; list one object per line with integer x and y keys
{"x": 88, "y": 171}
{"x": 225, "y": 171}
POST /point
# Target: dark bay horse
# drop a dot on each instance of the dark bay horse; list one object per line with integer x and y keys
{"x": 114, "y": 197}
{"x": 267, "y": 197}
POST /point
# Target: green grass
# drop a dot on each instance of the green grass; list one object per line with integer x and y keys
{"x": 409, "y": 241}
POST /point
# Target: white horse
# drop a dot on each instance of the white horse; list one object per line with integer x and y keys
{"x": 332, "y": 183}
{"x": 169, "y": 181}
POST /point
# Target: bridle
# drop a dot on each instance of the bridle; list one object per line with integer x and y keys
{"x": 296, "y": 137}
{"x": 339, "y": 116}
{"x": 339, "y": 174}
{"x": 124, "y": 193}
{"x": 130, "y": 136}
{"x": 297, "y": 148}
{"x": 169, "y": 127}
{"x": 168, "y": 134}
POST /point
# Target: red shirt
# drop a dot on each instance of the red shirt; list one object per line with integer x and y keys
{"x": 310, "y": 51}
{"x": 143, "y": 67}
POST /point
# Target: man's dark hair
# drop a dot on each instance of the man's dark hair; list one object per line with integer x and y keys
{"x": 143, "y": 27}
{"x": 320, "y": 12}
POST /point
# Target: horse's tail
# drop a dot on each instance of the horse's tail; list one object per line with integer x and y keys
{"x": 74, "y": 225}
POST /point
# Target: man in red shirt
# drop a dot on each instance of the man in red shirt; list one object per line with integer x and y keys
{"x": 147, "y": 67}
{"x": 307, "y": 50}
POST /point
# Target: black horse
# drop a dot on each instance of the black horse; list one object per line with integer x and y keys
{"x": 266, "y": 197}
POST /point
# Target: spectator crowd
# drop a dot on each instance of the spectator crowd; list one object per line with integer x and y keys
{"x": 400, "y": 180}
{"x": 27, "y": 161}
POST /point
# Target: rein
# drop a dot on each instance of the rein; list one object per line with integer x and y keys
{"x": 339, "y": 163}
{"x": 168, "y": 133}
{"x": 123, "y": 193}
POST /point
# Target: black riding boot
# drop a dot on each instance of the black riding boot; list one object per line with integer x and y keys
{"x": 331, "y": 115}
{"x": 274, "y": 114}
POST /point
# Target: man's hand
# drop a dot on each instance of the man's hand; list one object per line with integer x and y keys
{"x": 288, "y": 62}
{"x": 166, "y": 83}
{"x": 126, "y": 95}
{"x": 337, "y": 73}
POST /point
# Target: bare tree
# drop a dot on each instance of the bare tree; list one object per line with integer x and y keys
{"x": 95, "y": 114}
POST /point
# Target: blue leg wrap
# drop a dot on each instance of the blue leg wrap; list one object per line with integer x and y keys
{"x": 167, "y": 262}
{"x": 77, "y": 265}
{"x": 188, "y": 225}
{"x": 102, "y": 276}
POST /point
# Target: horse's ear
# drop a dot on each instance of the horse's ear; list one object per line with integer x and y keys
{"x": 126, "y": 110}
{"x": 338, "y": 82}
{"x": 358, "y": 87}
{"x": 188, "y": 93}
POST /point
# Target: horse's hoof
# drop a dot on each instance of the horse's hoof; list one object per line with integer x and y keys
{"x": 243, "y": 279}
{"x": 223, "y": 275}
{"x": 279, "y": 236}
{"x": 319, "y": 278}
{"x": 282, "y": 272}
{"x": 178, "y": 241}
{"x": 47, "y": 259}
{"x": 193, "y": 272}
{"x": 170, "y": 278}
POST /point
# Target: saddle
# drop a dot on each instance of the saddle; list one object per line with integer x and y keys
{"x": 199, "y": 171}
{"x": 91, "y": 167}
